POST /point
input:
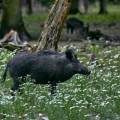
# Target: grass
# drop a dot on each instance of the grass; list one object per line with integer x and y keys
{"x": 34, "y": 21}
{"x": 93, "y": 16}
{"x": 80, "y": 98}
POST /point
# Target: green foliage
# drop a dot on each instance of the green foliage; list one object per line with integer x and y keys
{"x": 81, "y": 98}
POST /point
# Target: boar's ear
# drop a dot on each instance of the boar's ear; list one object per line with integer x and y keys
{"x": 70, "y": 54}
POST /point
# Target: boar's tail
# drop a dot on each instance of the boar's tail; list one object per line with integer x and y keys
{"x": 5, "y": 73}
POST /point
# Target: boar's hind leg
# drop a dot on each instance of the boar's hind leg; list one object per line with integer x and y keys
{"x": 15, "y": 84}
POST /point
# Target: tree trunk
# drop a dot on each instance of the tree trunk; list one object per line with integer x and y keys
{"x": 12, "y": 19}
{"x": 74, "y": 7}
{"x": 103, "y": 7}
{"x": 86, "y": 6}
{"x": 1, "y": 4}
{"x": 29, "y": 7}
{"x": 53, "y": 26}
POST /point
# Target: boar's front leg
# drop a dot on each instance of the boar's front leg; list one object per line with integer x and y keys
{"x": 53, "y": 88}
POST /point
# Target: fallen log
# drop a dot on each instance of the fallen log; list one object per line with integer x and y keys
{"x": 11, "y": 41}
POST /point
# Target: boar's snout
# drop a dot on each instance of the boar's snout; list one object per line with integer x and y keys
{"x": 84, "y": 70}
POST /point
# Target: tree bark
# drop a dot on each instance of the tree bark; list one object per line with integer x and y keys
{"x": 53, "y": 26}
{"x": 103, "y": 7}
{"x": 12, "y": 19}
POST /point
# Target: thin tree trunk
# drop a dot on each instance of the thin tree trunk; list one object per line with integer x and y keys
{"x": 103, "y": 7}
{"x": 86, "y": 6}
{"x": 74, "y": 7}
{"x": 1, "y": 4}
{"x": 12, "y": 18}
{"x": 29, "y": 7}
{"x": 53, "y": 26}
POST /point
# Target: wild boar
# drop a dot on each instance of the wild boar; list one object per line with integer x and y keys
{"x": 44, "y": 67}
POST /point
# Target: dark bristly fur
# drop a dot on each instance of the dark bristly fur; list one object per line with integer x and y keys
{"x": 44, "y": 67}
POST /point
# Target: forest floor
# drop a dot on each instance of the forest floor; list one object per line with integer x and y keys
{"x": 107, "y": 24}
{"x": 111, "y": 29}
{"x": 95, "y": 97}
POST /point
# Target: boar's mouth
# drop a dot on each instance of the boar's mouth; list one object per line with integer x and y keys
{"x": 84, "y": 71}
